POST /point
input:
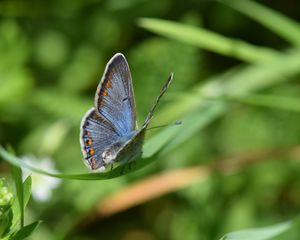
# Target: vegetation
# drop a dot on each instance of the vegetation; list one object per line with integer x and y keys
{"x": 229, "y": 171}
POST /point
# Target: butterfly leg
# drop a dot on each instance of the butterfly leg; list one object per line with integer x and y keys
{"x": 131, "y": 164}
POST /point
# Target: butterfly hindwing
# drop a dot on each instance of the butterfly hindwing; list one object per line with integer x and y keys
{"x": 96, "y": 134}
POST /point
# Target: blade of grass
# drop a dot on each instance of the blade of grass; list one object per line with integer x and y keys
{"x": 273, "y": 20}
{"x": 258, "y": 233}
{"x": 87, "y": 176}
{"x": 209, "y": 40}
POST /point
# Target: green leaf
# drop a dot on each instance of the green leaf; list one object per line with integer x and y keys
{"x": 5, "y": 222}
{"x": 17, "y": 175}
{"x": 209, "y": 40}
{"x": 275, "y": 21}
{"x": 258, "y": 233}
{"x": 25, "y": 232}
{"x": 15, "y": 205}
{"x": 27, "y": 190}
{"x": 87, "y": 176}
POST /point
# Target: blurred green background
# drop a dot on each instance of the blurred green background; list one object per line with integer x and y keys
{"x": 236, "y": 88}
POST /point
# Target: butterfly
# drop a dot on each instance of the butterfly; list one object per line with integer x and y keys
{"x": 108, "y": 131}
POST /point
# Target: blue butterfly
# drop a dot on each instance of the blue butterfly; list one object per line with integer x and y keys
{"x": 108, "y": 131}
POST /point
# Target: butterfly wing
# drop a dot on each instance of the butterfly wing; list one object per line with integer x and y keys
{"x": 113, "y": 119}
{"x": 96, "y": 134}
{"x": 133, "y": 147}
{"x": 114, "y": 98}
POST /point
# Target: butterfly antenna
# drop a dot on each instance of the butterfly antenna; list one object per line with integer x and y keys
{"x": 163, "y": 90}
{"x": 166, "y": 125}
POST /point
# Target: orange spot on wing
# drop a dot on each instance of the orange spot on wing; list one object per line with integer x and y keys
{"x": 91, "y": 151}
{"x": 104, "y": 93}
{"x": 108, "y": 84}
{"x": 89, "y": 141}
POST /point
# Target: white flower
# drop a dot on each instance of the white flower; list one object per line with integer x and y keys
{"x": 42, "y": 185}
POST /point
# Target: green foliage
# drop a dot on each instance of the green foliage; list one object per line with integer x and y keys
{"x": 19, "y": 205}
{"x": 236, "y": 66}
{"x": 12, "y": 210}
{"x": 259, "y": 234}
{"x": 17, "y": 175}
{"x": 6, "y": 198}
{"x": 25, "y": 231}
{"x": 275, "y": 21}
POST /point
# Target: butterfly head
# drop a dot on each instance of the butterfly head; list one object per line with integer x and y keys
{"x": 111, "y": 153}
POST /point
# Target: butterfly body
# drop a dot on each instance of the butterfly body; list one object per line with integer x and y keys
{"x": 108, "y": 131}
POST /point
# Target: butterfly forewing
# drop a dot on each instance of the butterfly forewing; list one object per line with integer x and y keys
{"x": 114, "y": 98}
